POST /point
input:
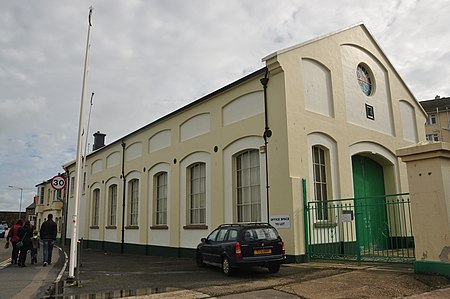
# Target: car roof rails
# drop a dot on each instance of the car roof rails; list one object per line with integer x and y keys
{"x": 229, "y": 224}
{"x": 245, "y": 224}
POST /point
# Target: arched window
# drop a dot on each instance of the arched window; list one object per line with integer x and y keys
{"x": 248, "y": 192}
{"x": 95, "y": 207}
{"x": 320, "y": 181}
{"x": 197, "y": 193}
{"x": 161, "y": 198}
{"x": 112, "y": 205}
{"x": 133, "y": 199}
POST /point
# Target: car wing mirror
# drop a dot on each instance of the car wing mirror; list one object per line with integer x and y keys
{"x": 203, "y": 240}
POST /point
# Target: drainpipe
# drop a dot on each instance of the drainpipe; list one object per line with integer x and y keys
{"x": 123, "y": 198}
{"x": 266, "y": 135}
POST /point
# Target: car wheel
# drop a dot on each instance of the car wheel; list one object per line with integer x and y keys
{"x": 199, "y": 260}
{"x": 226, "y": 268}
{"x": 274, "y": 268}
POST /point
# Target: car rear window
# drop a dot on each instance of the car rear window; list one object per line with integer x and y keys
{"x": 232, "y": 235}
{"x": 260, "y": 233}
{"x": 221, "y": 235}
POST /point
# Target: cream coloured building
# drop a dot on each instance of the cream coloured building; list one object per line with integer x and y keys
{"x": 437, "y": 127}
{"x": 333, "y": 113}
{"x": 49, "y": 201}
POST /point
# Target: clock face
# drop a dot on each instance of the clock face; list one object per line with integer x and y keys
{"x": 364, "y": 80}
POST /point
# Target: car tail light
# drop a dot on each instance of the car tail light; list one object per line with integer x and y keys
{"x": 283, "y": 250}
{"x": 238, "y": 250}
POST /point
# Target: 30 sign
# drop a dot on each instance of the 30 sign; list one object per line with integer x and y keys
{"x": 58, "y": 182}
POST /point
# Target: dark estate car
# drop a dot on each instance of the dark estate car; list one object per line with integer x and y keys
{"x": 232, "y": 246}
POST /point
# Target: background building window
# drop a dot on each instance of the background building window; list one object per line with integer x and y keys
{"x": 320, "y": 182}
{"x": 197, "y": 193}
{"x": 134, "y": 202}
{"x": 161, "y": 198}
{"x": 72, "y": 186}
{"x": 112, "y": 205}
{"x": 248, "y": 187}
{"x": 95, "y": 207}
{"x": 432, "y": 137}
{"x": 41, "y": 196}
{"x": 431, "y": 120}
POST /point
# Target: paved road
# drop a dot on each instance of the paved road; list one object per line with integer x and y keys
{"x": 115, "y": 275}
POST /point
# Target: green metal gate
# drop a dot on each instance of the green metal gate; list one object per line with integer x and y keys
{"x": 341, "y": 237}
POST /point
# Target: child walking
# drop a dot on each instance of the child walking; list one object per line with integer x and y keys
{"x": 36, "y": 245}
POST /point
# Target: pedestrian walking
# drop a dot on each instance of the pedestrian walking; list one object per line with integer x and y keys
{"x": 25, "y": 235}
{"x": 13, "y": 237}
{"x": 48, "y": 235}
{"x": 35, "y": 242}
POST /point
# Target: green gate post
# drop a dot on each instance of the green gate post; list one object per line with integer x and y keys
{"x": 358, "y": 248}
{"x": 305, "y": 220}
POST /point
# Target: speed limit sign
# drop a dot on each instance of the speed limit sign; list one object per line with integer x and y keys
{"x": 58, "y": 182}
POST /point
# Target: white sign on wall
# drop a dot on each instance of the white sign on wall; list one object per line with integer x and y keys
{"x": 347, "y": 216}
{"x": 280, "y": 221}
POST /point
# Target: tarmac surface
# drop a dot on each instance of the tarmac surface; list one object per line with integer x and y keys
{"x": 108, "y": 275}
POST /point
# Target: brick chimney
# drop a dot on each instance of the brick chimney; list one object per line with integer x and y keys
{"x": 99, "y": 140}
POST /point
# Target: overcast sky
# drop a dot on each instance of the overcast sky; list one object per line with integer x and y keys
{"x": 148, "y": 58}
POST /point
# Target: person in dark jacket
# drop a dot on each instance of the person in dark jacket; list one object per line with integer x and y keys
{"x": 48, "y": 236}
{"x": 13, "y": 237}
{"x": 25, "y": 235}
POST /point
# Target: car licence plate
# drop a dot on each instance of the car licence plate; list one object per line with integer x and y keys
{"x": 262, "y": 251}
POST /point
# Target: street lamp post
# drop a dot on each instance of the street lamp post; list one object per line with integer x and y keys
{"x": 21, "y": 192}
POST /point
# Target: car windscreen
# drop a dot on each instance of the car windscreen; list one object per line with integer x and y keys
{"x": 260, "y": 233}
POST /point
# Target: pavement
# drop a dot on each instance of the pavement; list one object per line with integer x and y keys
{"x": 31, "y": 281}
{"x": 107, "y": 275}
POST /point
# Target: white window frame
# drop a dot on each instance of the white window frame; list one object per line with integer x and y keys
{"x": 432, "y": 119}
{"x": 229, "y": 153}
{"x": 133, "y": 200}
{"x": 72, "y": 185}
{"x": 320, "y": 181}
{"x": 197, "y": 193}
{"x": 112, "y": 204}
{"x": 432, "y": 137}
{"x": 41, "y": 195}
{"x": 248, "y": 186}
{"x": 95, "y": 207}
{"x": 161, "y": 193}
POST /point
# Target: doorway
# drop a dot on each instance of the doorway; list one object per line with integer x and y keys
{"x": 370, "y": 205}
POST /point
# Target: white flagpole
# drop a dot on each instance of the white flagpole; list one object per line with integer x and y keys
{"x": 74, "y": 240}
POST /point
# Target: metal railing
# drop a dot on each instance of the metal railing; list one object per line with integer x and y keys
{"x": 377, "y": 228}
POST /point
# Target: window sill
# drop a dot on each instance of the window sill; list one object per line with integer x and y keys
{"x": 162, "y": 227}
{"x": 111, "y": 227}
{"x": 94, "y": 227}
{"x": 195, "y": 226}
{"x": 132, "y": 227}
{"x": 324, "y": 224}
